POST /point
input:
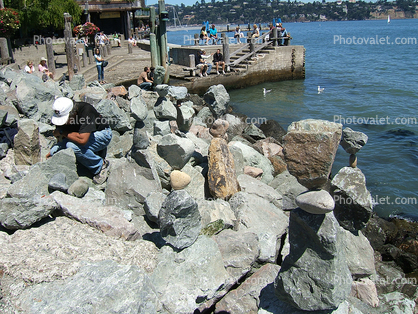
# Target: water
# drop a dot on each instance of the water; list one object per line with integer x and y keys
{"x": 362, "y": 81}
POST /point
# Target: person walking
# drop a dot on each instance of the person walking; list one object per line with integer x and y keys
{"x": 99, "y": 66}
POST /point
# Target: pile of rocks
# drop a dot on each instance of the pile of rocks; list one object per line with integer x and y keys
{"x": 194, "y": 215}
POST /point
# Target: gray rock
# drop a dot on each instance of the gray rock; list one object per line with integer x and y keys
{"x": 353, "y": 202}
{"x": 315, "y": 275}
{"x": 77, "y": 82}
{"x": 36, "y": 181}
{"x": 246, "y": 298}
{"x": 179, "y": 219}
{"x": 140, "y": 138}
{"x": 274, "y": 129}
{"x": 316, "y": 202}
{"x": 185, "y": 116}
{"x": 45, "y": 128}
{"x": 119, "y": 145}
{"x": 12, "y": 115}
{"x": 152, "y": 205}
{"x": 93, "y": 97}
{"x": 79, "y": 188}
{"x": 353, "y": 141}
{"x": 258, "y": 215}
{"x": 26, "y": 143}
{"x": 253, "y": 186}
{"x": 253, "y": 131}
{"x": 159, "y": 74}
{"x": 162, "y": 90}
{"x": 3, "y": 117}
{"x": 238, "y": 159}
{"x": 66, "y": 90}
{"x": 215, "y": 210}
{"x": 134, "y": 91}
{"x": 165, "y": 109}
{"x": 99, "y": 287}
{"x": 175, "y": 150}
{"x": 189, "y": 279}
{"x": 123, "y": 103}
{"x": 116, "y": 117}
{"x": 162, "y": 127}
{"x": 217, "y": 98}
{"x": 397, "y": 303}
{"x": 239, "y": 251}
{"x": 109, "y": 219}
{"x": 139, "y": 109}
{"x": 288, "y": 186}
{"x": 255, "y": 159}
{"x": 58, "y": 182}
{"x": 178, "y": 92}
{"x": 236, "y": 125}
{"x": 129, "y": 184}
{"x": 3, "y": 150}
{"x": 196, "y": 188}
{"x": 206, "y": 116}
{"x": 21, "y": 213}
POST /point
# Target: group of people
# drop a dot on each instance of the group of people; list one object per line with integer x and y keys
{"x": 146, "y": 78}
{"x": 42, "y": 68}
{"x": 282, "y": 33}
{"x": 213, "y": 35}
{"x": 205, "y": 66}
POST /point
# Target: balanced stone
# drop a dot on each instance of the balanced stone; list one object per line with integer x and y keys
{"x": 219, "y": 128}
{"x": 79, "y": 188}
{"x": 26, "y": 143}
{"x": 316, "y": 202}
{"x": 179, "y": 180}
{"x": 353, "y": 141}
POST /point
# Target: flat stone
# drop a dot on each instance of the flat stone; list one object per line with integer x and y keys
{"x": 316, "y": 202}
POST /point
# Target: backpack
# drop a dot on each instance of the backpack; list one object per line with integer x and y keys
{"x": 7, "y": 135}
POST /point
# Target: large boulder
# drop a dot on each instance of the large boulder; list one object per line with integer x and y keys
{"x": 218, "y": 211}
{"x": 196, "y": 188}
{"x": 159, "y": 75}
{"x": 139, "y": 109}
{"x": 120, "y": 145}
{"x": 222, "y": 179}
{"x": 99, "y": 287}
{"x": 353, "y": 202}
{"x": 179, "y": 219}
{"x": 77, "y": 82}
{"x": 175, "y": 150}
{"x": 353, "y": 141}
{"x": 274, "y": 129}
{"x": 315, "y": 275}
{"x": 26, "y": 143}
{"x": 289, "y": 187}
{"x": 185, "y": 116}
{"x": 309, "y": 148}
{"x": 165, "y": 109}
{"x": 253, "y": 186}
{"x": 217, "y": 98}
{"x": 21, "y": 213}
{"x": 116, "y": 117}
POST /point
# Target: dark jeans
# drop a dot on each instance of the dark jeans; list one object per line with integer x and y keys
{"x": 100, "y": 73}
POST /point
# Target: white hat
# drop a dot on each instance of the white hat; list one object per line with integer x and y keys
{"x": 62, "y": 108}
{"x": 43, "y": 59}
{"x": 277, "y": 24}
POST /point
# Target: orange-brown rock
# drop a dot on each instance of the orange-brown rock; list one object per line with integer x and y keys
{"x": 118, "y": 91}
{"x": 253, "y": 171}
{"x": 222, "y": 178}
{"x": 278, "y": 164}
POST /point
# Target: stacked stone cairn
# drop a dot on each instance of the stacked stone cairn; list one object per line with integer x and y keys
{"x": 194, "y": 215}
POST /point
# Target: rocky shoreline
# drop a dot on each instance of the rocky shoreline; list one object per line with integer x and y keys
{"x": 201, "y": 212}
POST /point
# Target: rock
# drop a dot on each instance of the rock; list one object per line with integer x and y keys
{"x": 179, "y": 219}
{"x": 21, "y": 213}
{"x": 216, "y": 210}
{"x": 140, "y": 138}
{"x": 217, "y": 98}
{"x": 269, "y": 147}
{"x": 116, "y": 117}
{"x": 77, "y": 82}
{"x": 26, "y": 143}
{"x": 315, "y": 275}
{"x": 42, "y": 254}
{"x": 12, "y": 115}
{"x": 58, "y": 183}
{"x": 119, "y": 145}
{"x": 97, "y": 287}
{"x": 365, "y": 290}
{"x": 255, "y": 159}
{"x": 359, "y": 254}
{"x": 162, "y": 127}
{"x": 238, "y": 159}
{"x": 3, "y": 150}
{"x": 36, "y": 181}
{"x": 119, "y": 91}
{"x": 190, "y": 279}
{"x": 108, "y": 219}
{"x": 353, "y": 202}
{"x": 201, "y": 132}
{"x": 92, "y": 95}
{"x": 175, "y": 150}
{"x": 152, "y": 205}
{"x": 246, "y": 298}
{"x": 316, "y": 202}
{"x": 139, "y": 109}
{"x": 258, "y": 215}
{"x": 222, "y": 180}
{"x": 397, "y": 303}
{"x": 79, "y": 188}
{"x": 129, "y": 184}
{"x": 179, "y": 180}
{"x": 177, "y": 92}
{"x": 278, "y": 164}
{"x": 123, "y": 103}
{"x": 407, "y": 261}
{"x": 165, "y": 109}
{"x": 353, "y": 161}
{"x": 3, "y": 117}
{"x": 274, "y": 129}
{"x": 162, "y": 90}
{"x": 159, "y": 74}
{"x": 205, "y": 116}
{"x": 236, "y": 125}
{"x": 253, "y": 131}
{"x": 201, "y": 145}
{"x": 219, "y": 128}
{"x": 239, "y": 251}
{"x": 196, "y": 188}
{"x": 253, "y": 186}
{"x": 353, "y": 141}
{"x": 253, "y": 171}
{"x": 309, "y": 148}
{"x": 134, "y": 91}
{"x": 185, "y": 117}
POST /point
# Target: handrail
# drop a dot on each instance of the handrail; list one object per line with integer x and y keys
{"x": 249, "y": 54}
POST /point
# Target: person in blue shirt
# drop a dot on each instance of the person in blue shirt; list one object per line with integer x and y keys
{"x": 213, "y": 34}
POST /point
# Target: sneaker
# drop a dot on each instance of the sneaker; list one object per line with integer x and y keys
{"x": 217, "y": 72}
{"x": 200, "y": 74}
{"x": 223, "y": 72}
{"x": 101, "y": 177}
{"x": 205, "y": 74}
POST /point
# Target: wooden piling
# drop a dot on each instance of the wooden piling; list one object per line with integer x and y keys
{"x": 69, "y": 49}
{"x": 50, "y": 55}
{"x": 154, "y": 50}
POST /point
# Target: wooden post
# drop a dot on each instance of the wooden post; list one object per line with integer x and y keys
{"x": 129, "y": 48}
{"x": 109, "y": 49}
{"x": 196, "y": 39}
{"x": 84, "y": 56}
{"x": 103, "y": 51}
{"x": 91, "y": 56}
{"x": 275, "y": 34}
{"x": 4, "y": 51}
{"x": 77, "y": 62}
{"x": 252, "y": 44}
{"x": 192, "y": 61}
{"x": 163, "y": 42}
{"x": 152, "y": 20}
{"x": 69, "y": 50}
{"x": 50, "y": 55}
{"x": 154, "y": 50}
{"x": 128, "y": 24}
{"x": 225, "y": 50}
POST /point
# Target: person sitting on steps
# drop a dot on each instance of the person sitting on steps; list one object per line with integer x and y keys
{"x": 218, "y": 60}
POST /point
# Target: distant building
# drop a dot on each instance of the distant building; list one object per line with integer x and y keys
{"x": 111, "y": 16}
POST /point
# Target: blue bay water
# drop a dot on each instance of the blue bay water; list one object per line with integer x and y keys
{"x": 364, "y": 81}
